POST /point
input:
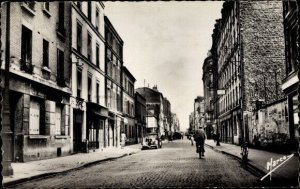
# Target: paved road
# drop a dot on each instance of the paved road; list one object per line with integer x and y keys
{"x": 175, "y": 165}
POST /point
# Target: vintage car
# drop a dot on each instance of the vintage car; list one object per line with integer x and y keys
{"x": 151, "y": 140}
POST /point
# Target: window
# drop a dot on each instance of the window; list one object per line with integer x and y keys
{"x": 79, "y": 37}
{"x": 47, "y": 6}
{"x": 98, "y": 92}
{"x": 58, "y": 120}
{"x": 89, "y": 88}
{"x": 45, "y": 53}
{"x": 30, "y": 4}
{"x": 97, "y": 55}
{"x": 90, "y": 11}
{"x": 26, "y": 51}
{"x": 60, "y": 67}
{"x": 79, "y": 80}
{"x": 36, "y": 117}
{"x": 108, "y": 98}
{"x": 89, "y": 46}
{"x": 61, "y": 17}
{"x": 292, "y": 50}
{"x": 79, "y": 5}
{"x": 97, "y": 19}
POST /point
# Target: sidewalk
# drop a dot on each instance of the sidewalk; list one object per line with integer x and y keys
{"x": 258, "y": 160}
{"x": 42, "y": 168}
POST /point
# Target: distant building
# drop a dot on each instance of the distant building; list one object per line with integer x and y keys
{"x": 209, "y": 95}
{"x": 167, "y": 115}
{"x": 140, "y": 115}
{"x": 197, "y": 116}
{"x": 130, "y": 128}
{"x": 154, "y": 107}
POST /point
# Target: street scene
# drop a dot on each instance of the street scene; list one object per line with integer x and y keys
{"x": 105, "y": 94}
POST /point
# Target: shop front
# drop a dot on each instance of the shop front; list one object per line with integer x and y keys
{"x": 96, "y": 118}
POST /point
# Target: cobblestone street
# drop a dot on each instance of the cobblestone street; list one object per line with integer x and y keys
{"x": 175, "y": 165}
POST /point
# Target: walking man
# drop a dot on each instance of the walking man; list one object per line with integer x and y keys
{"x": 200, "y": 137}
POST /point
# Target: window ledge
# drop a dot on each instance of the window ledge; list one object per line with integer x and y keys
{"x": 47, "y": 12}
{"x": 38, "y": 136}
{"x": 46, "y": 69}
{"x": 61, "y": 137}
{"x": 29, "y": 10}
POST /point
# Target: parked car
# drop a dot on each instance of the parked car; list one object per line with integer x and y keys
{"x": 151, "y": 140}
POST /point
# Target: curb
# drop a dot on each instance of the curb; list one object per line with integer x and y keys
{"x": 249, "y": 166}
{"x": 52, "y": 174}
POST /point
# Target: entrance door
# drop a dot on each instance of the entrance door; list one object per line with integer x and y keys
{"x": 77, "y": 130}
{"x": 110, "y": 134}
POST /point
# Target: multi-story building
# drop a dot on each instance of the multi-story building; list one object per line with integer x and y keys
{"x": 36, "y": 75}
{"x": 167, "y": 122}
{"x": 291, "y": 80}
{"x": 175, "y": 123}
{"x": 249, "y": 51}
{"x": 209, "y": 94}
{"x": 196, "y": 118}
{"x": 88, "y": 113}
{"x": 140, "y": 115}
{"x": 154, "y": 108}
{"x": 130, "y": 128}
{"x": 113, "y": 82}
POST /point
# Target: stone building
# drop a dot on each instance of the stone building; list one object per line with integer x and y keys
{"x": 167, "y": 115}
{"x": 209, "y": 94}
{"x": 37, "y": 57}
{"x": 88, "y": 113}
{"x": 291, "y": 80}
{"x": 175, "y": 122}
{"x": 130, "y": 128}
{"x": 249, "y": 51}
{"x": 113, "y": 82}
{"x": 140, "y": 115}
{"x": 154, "y": 108}
{"x": 197, "y": 116}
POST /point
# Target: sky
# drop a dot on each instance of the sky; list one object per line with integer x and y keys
{"x": 165, "y": 44}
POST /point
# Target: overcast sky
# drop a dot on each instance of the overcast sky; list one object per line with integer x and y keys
{"x": 165, "y": 44}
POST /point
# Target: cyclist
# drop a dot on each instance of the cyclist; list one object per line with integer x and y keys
{"x": 200, "y": 137}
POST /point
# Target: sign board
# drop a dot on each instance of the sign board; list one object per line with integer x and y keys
{"x": 220, "y": 92}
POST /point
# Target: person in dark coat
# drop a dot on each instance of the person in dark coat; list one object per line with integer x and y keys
{"x": 199, "y": 138}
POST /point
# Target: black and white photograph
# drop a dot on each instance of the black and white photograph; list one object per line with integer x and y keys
{"x": 150, "y": 94}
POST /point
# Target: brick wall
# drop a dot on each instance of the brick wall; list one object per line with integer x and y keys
{"x": 262, "y": 36}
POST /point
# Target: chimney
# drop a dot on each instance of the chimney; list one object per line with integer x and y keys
{"x": 155, "y": 87}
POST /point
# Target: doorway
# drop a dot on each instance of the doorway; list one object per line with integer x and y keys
{"x": 77, "y": 130}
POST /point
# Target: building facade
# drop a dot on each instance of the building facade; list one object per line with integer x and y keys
{"x": 113, "y": 82}
{"x": 208, "y": 82}
{"x": 154, "y": 108}
{"x": 140, "y": 115}
{"x": 130, "y": 127}
{"x": 167, "y": 115}
{"x": 88, "y": 113}
{"x": 36, "y": 71}
{"x": 291, "y": 80}
{"x": 196, "y": 118}
{"x": 248, "y": 41}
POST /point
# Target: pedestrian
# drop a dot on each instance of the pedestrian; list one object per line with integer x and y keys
{"x": 200, "y": 137}
{"x": 192, "y": 140}
{"x": 123, "y": 140}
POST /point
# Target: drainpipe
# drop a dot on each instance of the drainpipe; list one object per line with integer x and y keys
{"x": 6, "y": 132}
